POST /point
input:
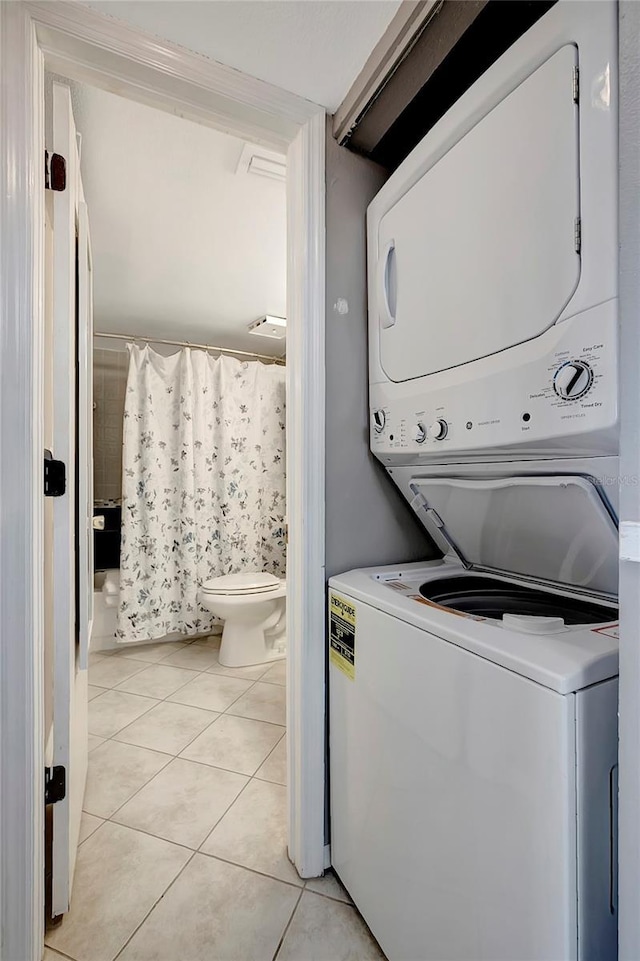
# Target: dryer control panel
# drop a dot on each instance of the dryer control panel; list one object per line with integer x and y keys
{"x": 556, "y": 394}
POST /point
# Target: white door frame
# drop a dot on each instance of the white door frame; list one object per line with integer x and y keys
{"x": 81, "y": 44}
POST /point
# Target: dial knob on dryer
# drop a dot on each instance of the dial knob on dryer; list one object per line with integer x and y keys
{"x": 419, "y": 433}
{"x": 439, "y": 429}
{"x": 573, "y": 379}
{"x": 379, "y": 419}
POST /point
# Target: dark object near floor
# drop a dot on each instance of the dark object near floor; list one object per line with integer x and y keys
{"x": 106, "y": 543}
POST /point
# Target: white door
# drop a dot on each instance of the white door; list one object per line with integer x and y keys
{"x": 69, "y": 560}
{"x": 85, "y": 434}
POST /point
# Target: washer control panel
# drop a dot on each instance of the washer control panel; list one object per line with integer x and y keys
{"x": 419, "y": 433}
{"x": 378, "y": 418}
{"x": 439, "y": 429}
{"x": 573, "y": 379}
{"x": 555, "y": 393}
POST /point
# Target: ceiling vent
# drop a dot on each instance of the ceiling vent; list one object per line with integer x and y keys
{"x": 269, "y": 326}
{"x": 262, "y": 162}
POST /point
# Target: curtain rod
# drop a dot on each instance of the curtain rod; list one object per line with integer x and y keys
{"x": 186, "y": 343}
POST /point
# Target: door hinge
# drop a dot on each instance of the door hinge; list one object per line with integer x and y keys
{"x": 55, "y": 476}
{"x": 55, "y": 171}
{"x": 55, "y": 784}
{"x": 577, "y": 234}
{"x": 576, "y": 84}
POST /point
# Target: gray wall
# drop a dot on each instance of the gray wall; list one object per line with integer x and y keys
{"x": 629, "y": 814}
{"x": 368, "y": 523}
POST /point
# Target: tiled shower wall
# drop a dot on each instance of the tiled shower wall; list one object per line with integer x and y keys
{"x": 109, "y": 385}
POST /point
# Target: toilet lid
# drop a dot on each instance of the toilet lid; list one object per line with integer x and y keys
{"x": 247, "y": 582}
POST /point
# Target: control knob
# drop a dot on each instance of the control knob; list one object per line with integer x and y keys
{"x": 379, "y": 419}
{"x": 573, "y": 379}
{"x": 419, "y": 433}
{"x": 439, "y": 429}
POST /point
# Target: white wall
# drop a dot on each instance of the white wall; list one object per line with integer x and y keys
{"x": 184, "y": 246}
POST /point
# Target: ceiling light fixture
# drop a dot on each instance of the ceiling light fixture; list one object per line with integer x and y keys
{"x": 269, "y": 326}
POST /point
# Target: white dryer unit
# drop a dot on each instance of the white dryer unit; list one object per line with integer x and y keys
{"x": 473, "y": 727}
{"x": 492, "y": 260}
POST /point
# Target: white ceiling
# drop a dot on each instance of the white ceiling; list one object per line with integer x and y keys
{"x": 183, "y": 246}
{"x": 314, "y": 48}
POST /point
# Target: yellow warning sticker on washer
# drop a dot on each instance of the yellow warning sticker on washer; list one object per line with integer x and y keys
{"x": 342, "y": 635}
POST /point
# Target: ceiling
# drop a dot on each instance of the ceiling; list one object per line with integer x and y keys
{"x": 314, "y": 48}
{"x": 183, "y": 246}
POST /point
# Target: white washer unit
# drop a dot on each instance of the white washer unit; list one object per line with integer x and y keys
{"x": 492, "y": 257}
{"x": 473, "y": 725}
{"x": 473, "y": 699}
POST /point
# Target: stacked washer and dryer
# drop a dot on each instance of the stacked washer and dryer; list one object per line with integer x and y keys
{"x": 473, "y": 699}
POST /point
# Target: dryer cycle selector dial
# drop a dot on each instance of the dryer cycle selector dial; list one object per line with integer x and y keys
{"x": 419, "y": 433}
{"x": 439, "y": 429}
{"x": 379, "y": 419}
{"x": 573, "y": 379}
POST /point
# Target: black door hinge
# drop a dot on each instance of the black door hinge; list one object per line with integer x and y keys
{"x": 55, "y": 171}
{"x": 55, "y": 784}
{"x": 55, "y": 476}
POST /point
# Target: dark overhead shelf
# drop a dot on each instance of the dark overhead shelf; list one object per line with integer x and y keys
{"x": 457, "y": 47}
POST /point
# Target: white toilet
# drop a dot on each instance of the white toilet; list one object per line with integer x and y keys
{"x": 252, "y": 605}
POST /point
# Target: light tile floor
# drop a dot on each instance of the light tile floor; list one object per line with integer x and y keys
{"x": 182, "y": 851}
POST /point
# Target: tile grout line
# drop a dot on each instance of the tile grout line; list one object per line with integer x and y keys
{"x": 166, "y": 698}
{"x": 161, "y": 663}
{"x": 161, "y": 700}
{"x": 301, "y": 886}
{"x": 252, "y": 777}
{"x": 170, "y": 756}
{"x": 154, "y": 905}
{"x": 252, "y": 682}
{"x": 284, "y": 734}
{"x": 144, "y": 713}
{"x": 193, "y": 852}
{"x": 61, "y": 953}
{"x": 177, "y": 756}
{"x": 133, "y": 674}
{"x": 288, "y": 925}
{"x": 111, "y": 819}
{"x": 260, "y": 874}
{"x": 219, "y": 767}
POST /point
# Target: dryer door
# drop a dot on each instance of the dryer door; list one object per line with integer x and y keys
{"x": 480, "y": 254}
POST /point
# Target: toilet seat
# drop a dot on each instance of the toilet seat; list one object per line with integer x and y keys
{"x": 246, "y": 582}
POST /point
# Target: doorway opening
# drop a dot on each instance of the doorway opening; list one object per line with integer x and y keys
{"x": 86, "y": 47}
{"x": 180, "y": 725}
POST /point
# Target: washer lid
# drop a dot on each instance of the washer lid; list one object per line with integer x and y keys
{"x": 247, "y": 582}
{"x": 551, "y": 528}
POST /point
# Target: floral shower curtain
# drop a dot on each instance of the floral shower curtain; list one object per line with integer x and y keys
{"x": 203, "y": 490}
